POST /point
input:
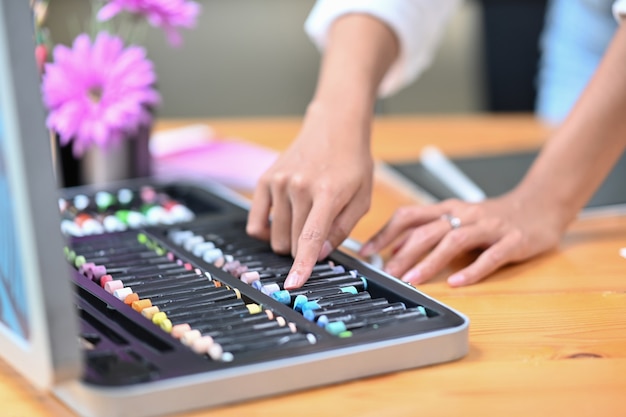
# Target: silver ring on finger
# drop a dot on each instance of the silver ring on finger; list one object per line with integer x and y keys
{"x": 453, "y": 221}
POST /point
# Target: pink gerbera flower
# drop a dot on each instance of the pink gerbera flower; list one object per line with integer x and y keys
{"x": 100, "y": 93}
{"x": 166, "y": 14}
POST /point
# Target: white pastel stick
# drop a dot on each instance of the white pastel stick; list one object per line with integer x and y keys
{"x": 450, "y": 175}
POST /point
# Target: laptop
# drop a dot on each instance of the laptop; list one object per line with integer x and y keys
{"x": 497, "y": 173}
{"x": 210, "y": 323}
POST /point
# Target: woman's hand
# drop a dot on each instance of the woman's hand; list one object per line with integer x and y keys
{"x": 307, "y": 203}
{"x": 512, "y": 228}
{"x": 315, "y": 192}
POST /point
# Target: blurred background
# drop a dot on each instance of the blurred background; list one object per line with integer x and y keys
{"x": 252, "y": 58}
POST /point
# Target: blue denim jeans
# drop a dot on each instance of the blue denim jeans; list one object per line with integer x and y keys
{"x": 575, "y": 36}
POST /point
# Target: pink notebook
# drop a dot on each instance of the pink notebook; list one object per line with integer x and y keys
{"x": 195, "y": 152}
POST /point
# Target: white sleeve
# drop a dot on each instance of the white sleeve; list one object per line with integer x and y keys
{"x": 619, "y": 10}
{"x": 418, "y": 24}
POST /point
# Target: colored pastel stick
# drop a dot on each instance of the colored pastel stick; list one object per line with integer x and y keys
{"x": 338, "y": 327}
{"x": 222, "y": 308}
{"x": 313, "y": 315}
{"x": 355, "y": 315}
{"x": 293, "y": 340}
{"x": 335, "y": 301}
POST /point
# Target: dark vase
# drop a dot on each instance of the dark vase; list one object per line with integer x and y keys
{"x": 130, "y": 159}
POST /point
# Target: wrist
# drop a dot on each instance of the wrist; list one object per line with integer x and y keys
{"x": 347, "y": 125}
{"x": 546, "y": 202}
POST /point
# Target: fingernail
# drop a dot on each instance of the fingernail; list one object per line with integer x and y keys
{"x": 367, "y": 249}
{"x": 412, "y": 275}
{"x": 327, "y": 248}
{"x": 456, "y": 280}
{"x": 292, "y": 281}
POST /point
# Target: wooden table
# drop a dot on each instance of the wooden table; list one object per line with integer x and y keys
{"x": 547, "y": 337}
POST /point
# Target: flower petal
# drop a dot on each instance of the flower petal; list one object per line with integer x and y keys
{"x": 96, "y": 93}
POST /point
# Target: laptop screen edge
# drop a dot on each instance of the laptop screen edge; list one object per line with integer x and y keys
{"x": 51, "y": 352}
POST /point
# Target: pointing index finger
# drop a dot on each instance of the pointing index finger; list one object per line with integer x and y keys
{"x": 310, "y": 243}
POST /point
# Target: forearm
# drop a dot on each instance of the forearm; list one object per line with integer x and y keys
{"x": 585, "y": 148}
{"x": 360, "y": 50}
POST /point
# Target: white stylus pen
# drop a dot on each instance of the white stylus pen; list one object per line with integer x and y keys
{"x": 450, "y": 175}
